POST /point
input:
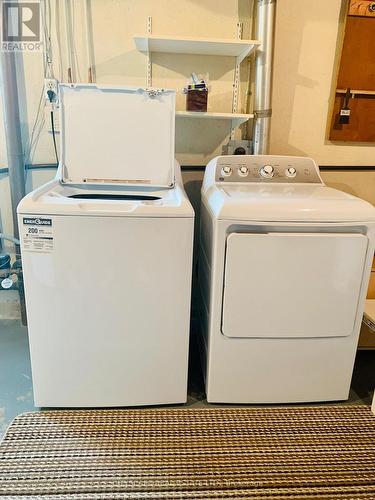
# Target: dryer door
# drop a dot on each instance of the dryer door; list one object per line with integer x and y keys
{"x": 292, "y": 284}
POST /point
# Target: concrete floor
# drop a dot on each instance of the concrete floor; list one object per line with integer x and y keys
{"x": 16, "y": 384}
{"x": 16, "y": 394}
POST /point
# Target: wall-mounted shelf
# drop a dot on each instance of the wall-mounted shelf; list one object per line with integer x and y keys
{"x": 233, "y": 47}
{"x": 202, "y": 46}
{"x": 356, "y": 92}
{"x": 236, "y": 118}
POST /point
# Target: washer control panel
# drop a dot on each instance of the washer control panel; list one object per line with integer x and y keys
{"x": 267, "y": 168}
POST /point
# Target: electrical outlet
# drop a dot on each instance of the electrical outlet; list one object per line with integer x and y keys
{"x": 237, "y": 147}
{"x": 50, "y": 84}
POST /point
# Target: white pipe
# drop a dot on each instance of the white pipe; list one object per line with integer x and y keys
{"x": 265, "y": 26}
{"x": 69, "y": 35}
{"x": 90, "y": 42}
{"x": 12, "y": 129}
{"x": 9, "y": 238}
{"x": 15, "y": 154}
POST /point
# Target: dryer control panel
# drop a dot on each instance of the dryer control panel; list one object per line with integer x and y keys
{"x": 267, "y": 168}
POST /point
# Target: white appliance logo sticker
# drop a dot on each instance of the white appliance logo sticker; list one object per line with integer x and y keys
{"x": 37, "y": 234}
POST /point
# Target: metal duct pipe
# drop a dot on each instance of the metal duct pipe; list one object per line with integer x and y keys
{"x": 265, "y": 27}
{"x": 12, "y": 127}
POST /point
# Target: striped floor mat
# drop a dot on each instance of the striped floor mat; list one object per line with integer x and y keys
{"x": 319, "y": 452}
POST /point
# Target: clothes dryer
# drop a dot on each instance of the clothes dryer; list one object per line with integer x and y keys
{"x": 284, "y": 268}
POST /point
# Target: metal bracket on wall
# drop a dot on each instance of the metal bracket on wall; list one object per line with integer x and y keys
{"x": 236, "y": 82}
{"x": 264, "y": 113}
{"x": 149, "y": 61}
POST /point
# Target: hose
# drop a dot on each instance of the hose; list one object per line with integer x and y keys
{"x": 9, "y": 238}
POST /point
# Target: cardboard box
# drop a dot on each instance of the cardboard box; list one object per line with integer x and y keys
{"x": 371, "y": 286}
{"x": 367, "y": 334}
{"x": 366, "y": 338}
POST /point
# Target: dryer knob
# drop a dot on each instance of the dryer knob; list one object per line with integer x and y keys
{"x": 243, "y": 171}
{"x": 290, "y": 172}
{"x": 226, "y": 171}
{"x": 267, "y": 171}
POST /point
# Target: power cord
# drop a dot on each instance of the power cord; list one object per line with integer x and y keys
{"x": 52, "y": 96}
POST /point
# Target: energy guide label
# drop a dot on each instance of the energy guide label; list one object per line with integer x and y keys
{"x": 37, "y": 234}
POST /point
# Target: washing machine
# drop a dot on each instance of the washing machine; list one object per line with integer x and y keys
{"x": 107, "y": 255}
{"x": 284, "y": 268}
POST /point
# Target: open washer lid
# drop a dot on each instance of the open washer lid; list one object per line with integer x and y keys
{"x": 116, "y": 135}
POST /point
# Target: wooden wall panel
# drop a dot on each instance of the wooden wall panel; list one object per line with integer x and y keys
{"x": 357, "y": 72}
{"x": 361, "y": 126}
{"x": 357, "y": 67}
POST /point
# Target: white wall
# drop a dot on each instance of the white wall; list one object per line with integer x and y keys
{"x": 118, "y": 62}
{"x": 307, "y": 35}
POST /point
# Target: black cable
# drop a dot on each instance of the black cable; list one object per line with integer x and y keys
{"x": 54, "y": 136}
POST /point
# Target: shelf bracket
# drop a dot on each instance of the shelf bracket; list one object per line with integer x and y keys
{"x": 149, "y": 61}
{"x": 236, "y": 82}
